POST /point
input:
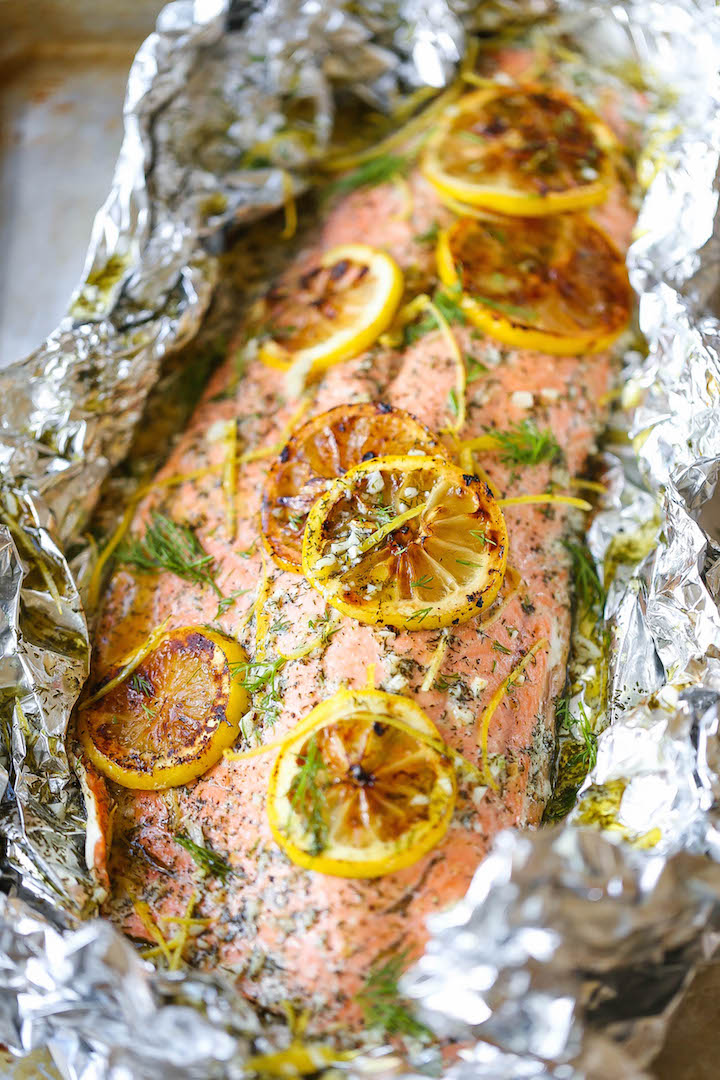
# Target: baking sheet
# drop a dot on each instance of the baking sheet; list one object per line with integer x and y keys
{"x": 60, "y": 130}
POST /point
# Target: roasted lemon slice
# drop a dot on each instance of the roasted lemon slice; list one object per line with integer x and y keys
{"x": 333, "y": 311}
{"x": 409, "y": 542}
{"x": 521, "y": 150}
{"x": 557, "y": 284}
{"x": 356, "y": 796}
{"x": 324, "y": 448}
{"x": 170, "y": 720}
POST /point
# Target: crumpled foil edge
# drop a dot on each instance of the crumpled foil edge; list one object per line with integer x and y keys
{"x": 572, "y": 944}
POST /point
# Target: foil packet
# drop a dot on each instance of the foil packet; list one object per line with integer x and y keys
{"x": 574, "y": 942}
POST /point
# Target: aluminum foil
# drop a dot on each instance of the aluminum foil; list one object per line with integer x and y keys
{"x": 574, "y": 942}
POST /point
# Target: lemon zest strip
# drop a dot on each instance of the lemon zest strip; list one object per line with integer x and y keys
{"x": 405, "y": 191}
{"x": 461, "y": 377}
{"x": 379, "y": 535}
{"x": 183, "y": 935}
{"x": 143, "y": 913}
{"x": 495, "y": 700}
{"x": 436, "y": 662}
{"x": 315, "y": 643}
{"x": 481, "y": 442}
{"x": 129, "y": 664}
{"x": 588, "y": 485}
{"x": 303, "y": 729}
{"x": 262, "y": 621}
{"x": 298, "y": 1059}
{"x": 96, "y": 576}
{"x": 547, "y": 497}
{"x": 184, "y": 920}
{"x": 342, "y": 162}
{"x": 289, "y": 206}
{"x": 465, "y": 458}
{"x": 477, "y": 80}
{"x": 512, "y": 577}
{"x": 116, "y": 537}
{"x": 154, "y": 950}
{"x": 230, "y": 477}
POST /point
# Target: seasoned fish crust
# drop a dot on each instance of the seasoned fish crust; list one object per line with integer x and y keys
{"x": 285, "y": 932}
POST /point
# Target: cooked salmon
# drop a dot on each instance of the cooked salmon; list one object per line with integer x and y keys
{"x": 286, "y": 933}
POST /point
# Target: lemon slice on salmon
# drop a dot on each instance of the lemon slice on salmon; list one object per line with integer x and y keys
{"x": 321, "y": 450}
{"x": 333, "y": 311}
{"x": 409, "y": 542}
{"x": 521, "y": 150}
{"x": 356, "y": 796}
{"x": 170, "y": 720}
{"x": 555, "y": 284}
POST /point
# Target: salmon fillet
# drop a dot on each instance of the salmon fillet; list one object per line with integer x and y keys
{"x": 286, "y": 933}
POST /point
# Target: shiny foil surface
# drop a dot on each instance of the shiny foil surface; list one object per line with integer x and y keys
{"x": 574, "y": 941}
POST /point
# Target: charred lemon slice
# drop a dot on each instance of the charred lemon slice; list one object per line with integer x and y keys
{"x": 356, "y": 793}
{"x": 557, "y": 284}
{"x": 171, "y": 719}
{"x": 334, "y": 311}
{"x": 409, "y": 542}
{"x": 324, "y": 448}
{"x": 521, "y": 150}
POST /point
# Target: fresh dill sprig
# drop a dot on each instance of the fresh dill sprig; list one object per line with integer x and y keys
{"x": 206, "y": 859}
{"x": 514, "y": 310}
{"x": 420, "y": 615}
{"x": 307, "y": 795}
{"x": 499, "y": 647}
{"x": 474, "y": 368}
{"x": 256, "y": 675}
{"x": 376, "y": 171}
{"x": 168, "y": 545}
{"x": 482, "y": 537}
{"x": 525, "y": 444}
{"x": 259, "y": 678}
{"x": 587, "y": 754}
{"x": 382, "y": 1004}
{"x": 326, "y": 624}
{"x": 448, "y": 304}
{"x": 227, "y": 601}
{"x": 429, "y": 236}
{"x": 423, "y": 582}
{"x": 141, "y": 684}
{"x": 383, "y": 514}
{"x": 562, "y": 712}
{"x": 589, "y": 591}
